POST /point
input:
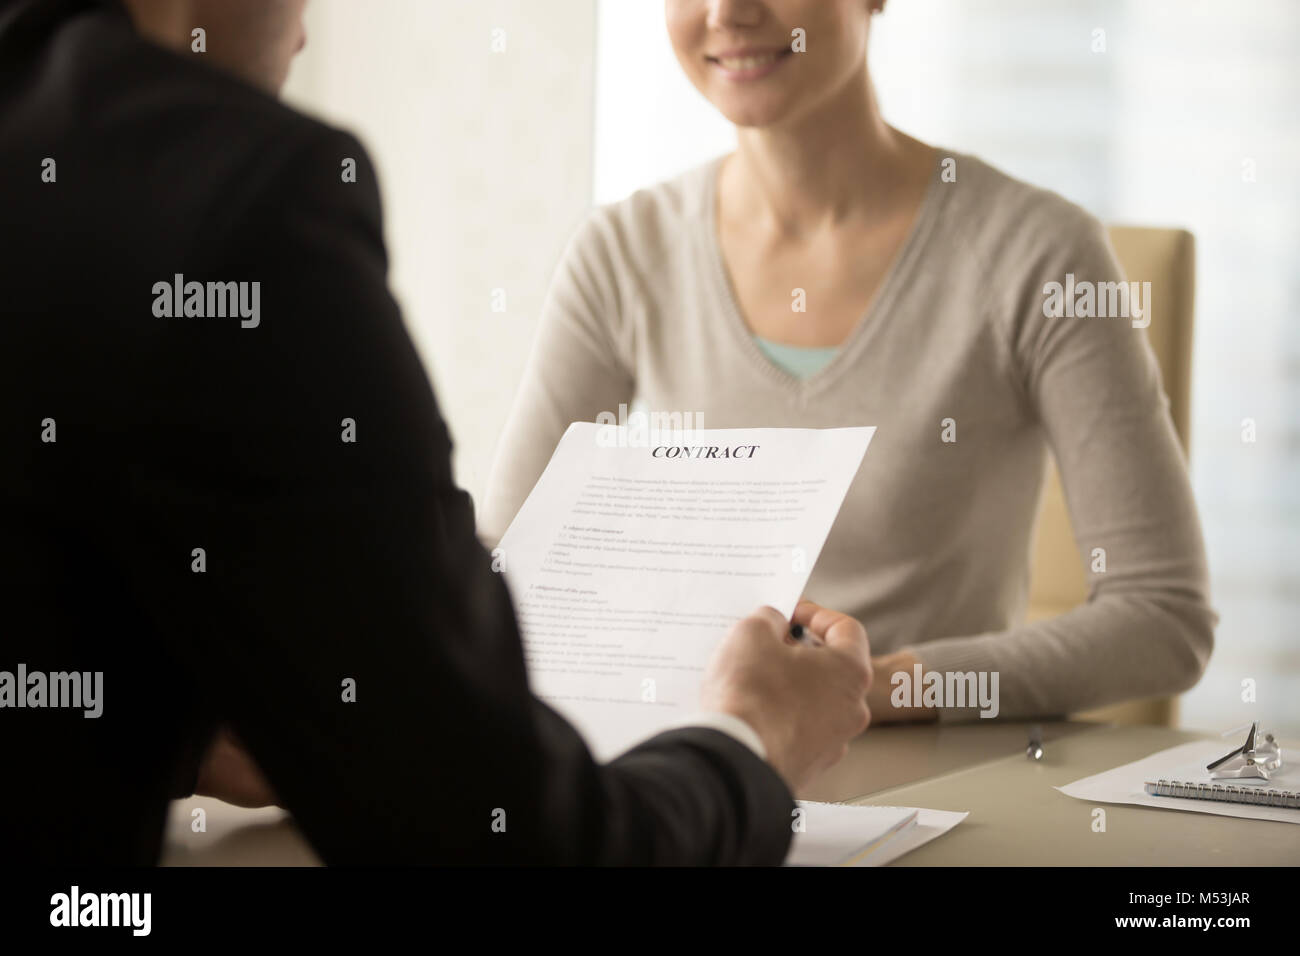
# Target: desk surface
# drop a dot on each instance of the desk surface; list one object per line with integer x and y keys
{"x": 896, "y": 754}
{"x": 1016, "y": 817}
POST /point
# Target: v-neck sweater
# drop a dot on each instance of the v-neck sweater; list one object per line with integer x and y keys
{"x": 971, "y": 383}
{"x": 800, "y": 361}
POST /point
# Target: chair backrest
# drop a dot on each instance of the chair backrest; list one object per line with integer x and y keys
{"x": 1166, "y": 258}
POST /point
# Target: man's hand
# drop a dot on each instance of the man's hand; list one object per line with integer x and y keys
{"x": 229, "y": 773}
{"x": 805, "y": 702}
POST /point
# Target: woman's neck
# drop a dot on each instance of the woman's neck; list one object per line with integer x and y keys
{"x": 835, "y": 163}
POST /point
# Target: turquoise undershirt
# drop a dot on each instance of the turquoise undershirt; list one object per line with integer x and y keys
{"x": 801, "y": 361}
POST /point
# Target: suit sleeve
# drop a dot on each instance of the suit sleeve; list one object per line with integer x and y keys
{"x": 344, "y": 618}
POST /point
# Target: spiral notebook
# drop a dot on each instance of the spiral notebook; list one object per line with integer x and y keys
{"x": 1177, "y": 779}
{"x": 1260, "y": 796}
{"x": 1195, "y": 783}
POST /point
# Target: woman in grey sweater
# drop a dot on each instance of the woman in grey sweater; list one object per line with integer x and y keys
{"x": 834, "y": 271}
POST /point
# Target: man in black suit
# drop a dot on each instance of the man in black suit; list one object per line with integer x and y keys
{"x": 195, "y": 314}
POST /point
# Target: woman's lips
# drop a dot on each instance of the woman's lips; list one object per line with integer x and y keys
{"x": 749, "y": 64}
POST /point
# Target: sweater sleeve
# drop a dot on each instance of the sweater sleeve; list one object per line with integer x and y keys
{"x": 575, "y": 372}
{"x": 1147, "y": 627}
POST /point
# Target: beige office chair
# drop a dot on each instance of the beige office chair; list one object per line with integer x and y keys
{"x": 1165, "y": 257}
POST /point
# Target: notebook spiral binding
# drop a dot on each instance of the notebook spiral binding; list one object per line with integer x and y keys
{"x": 1226, "y": 793}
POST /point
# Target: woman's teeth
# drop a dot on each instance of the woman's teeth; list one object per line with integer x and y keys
{"x": 739, "y": 63}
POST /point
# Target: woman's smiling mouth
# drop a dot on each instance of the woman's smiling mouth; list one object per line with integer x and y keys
{"x": 749, "y": 64}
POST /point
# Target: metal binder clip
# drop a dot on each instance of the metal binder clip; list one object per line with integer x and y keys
{"x": 1253, "y": 759}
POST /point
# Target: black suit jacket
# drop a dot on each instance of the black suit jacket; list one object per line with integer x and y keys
{"x": 324, "y": 560}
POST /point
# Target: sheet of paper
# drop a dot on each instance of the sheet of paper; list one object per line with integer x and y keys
{"x": 630, "y": 560}
{"x": 1184, "y": 763}
{"x": 837, "y": 834}
{"x": 930, "y": 825}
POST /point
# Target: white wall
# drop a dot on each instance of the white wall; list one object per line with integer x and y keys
{"x": 651, "y": 123}
{"x": 484, "y": 160}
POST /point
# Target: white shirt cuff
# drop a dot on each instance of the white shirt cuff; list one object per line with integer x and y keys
{"x": 728, "y": 724}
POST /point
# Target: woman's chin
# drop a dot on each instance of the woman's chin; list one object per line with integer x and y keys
{"x": 755, "y": 115}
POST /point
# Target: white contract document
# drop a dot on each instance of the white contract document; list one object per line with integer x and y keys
{"x": 630, "y": 561}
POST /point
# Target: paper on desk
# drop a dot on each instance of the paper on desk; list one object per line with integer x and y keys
{"x": 929, "y": 825}
{"x": 839, "y": 834}
{"x": 630, "y": 560}
{"x": 1183, "y": 763}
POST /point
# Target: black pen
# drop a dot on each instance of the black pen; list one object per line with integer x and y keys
{"x": 805, "y": 636}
